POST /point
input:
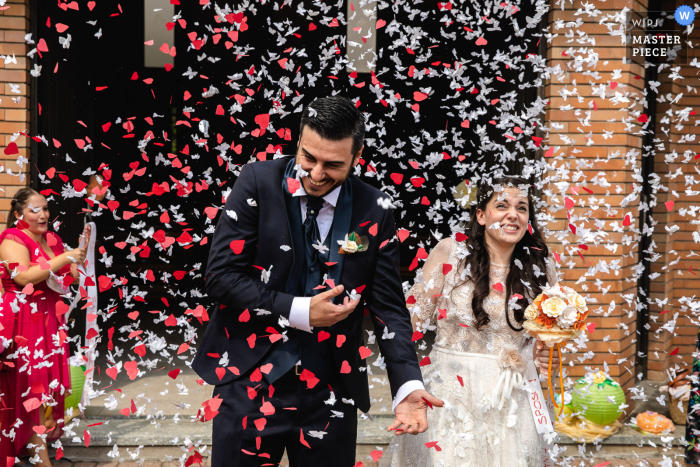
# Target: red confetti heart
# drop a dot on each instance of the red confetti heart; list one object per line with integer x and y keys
{"x": 237, "y": 246}
{"x": 293, "y": 185}
{"x": 112, "y": 372}
{"x": 11, "y": 149}
{"x": 365, "y": 352}
{"x": 419, "y": 96}
{"x": 263, "y": 120}
{"x": 373, "y": 230}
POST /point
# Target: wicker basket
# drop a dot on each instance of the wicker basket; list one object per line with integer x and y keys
{"x": 678, "y": 417}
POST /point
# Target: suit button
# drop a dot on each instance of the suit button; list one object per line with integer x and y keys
{"x": 312, "y": 269}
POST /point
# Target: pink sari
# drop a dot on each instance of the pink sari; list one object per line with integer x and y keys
{"x": 39, "y": 358}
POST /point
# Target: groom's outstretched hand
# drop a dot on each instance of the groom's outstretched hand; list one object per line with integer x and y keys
{"x": 410, "y": 413}
{"x": 323, "y": 312}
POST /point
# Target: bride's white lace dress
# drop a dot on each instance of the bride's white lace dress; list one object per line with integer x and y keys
{"x": 473, "y": 372}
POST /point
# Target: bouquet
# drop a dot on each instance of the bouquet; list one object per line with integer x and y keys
{"x": 558, "y": 314}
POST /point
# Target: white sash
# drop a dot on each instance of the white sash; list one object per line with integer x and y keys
{"x": 541, "y": 408}
{"x": 88, "y": 271}
{"x": 540, "y": 412}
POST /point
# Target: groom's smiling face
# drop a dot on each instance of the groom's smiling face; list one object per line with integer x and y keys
{"x": 328, "y": 162}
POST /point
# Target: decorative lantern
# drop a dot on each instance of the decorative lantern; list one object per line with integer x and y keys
{"x": 77, "y": 382}
{"x": 591, "y": 398}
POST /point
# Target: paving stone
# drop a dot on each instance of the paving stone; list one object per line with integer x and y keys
{"x": 135, "y": 464}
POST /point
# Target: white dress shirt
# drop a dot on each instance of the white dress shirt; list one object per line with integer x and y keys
{"x": 299, "y": 314}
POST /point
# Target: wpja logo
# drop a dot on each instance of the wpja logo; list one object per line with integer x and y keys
{"x": 684, "y": 15}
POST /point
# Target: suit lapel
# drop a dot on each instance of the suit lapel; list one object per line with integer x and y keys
{"x": 341, "y": 227}
{"x": 296, "y": 232}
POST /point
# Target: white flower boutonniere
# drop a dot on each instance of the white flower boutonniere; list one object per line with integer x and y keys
{"x": 353, "y": 243}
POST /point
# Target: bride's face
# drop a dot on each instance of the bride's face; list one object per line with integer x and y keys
{"x": 505, "y": 217}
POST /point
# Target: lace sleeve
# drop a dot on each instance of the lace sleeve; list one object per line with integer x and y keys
{"x": 423, "y": 297}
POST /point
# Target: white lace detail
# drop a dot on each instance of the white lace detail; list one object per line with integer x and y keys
{"x": 473, "y": 371}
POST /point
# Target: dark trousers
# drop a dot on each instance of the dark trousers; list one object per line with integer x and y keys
{"x": 246, "y": 433}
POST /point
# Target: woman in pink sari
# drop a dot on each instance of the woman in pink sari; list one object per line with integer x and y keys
{"x": 33, "y": 332}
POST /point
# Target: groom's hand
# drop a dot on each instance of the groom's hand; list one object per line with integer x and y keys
{"x": 323, "y": 312}
{"x": 410, "y": 414}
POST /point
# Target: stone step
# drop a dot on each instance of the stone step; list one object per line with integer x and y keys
{"x": 164, "y": 439}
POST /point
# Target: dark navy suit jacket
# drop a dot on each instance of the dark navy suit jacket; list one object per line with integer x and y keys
{"x": 234, "y": 280}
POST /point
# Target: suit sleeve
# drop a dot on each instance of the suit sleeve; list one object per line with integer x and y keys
{"x": 228, "y": 276}
{"x": 387, "y": 307}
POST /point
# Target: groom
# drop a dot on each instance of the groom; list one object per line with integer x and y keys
{"x": 293, "y": 255}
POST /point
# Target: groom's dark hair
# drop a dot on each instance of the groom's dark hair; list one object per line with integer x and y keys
{"x": 335, "y": 118}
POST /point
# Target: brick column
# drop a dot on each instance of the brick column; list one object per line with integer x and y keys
{"x": 583, "y": 149}
{"x": 14, "y": 116}
{"x": 678, "y": 272}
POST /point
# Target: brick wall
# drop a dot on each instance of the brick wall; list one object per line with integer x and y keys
{"x": 14, "y": 116}
{"x": 680, "y": 279}
{"x": 586, "y": 152}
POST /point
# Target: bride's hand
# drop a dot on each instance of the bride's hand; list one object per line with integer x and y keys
{"x": 410, "y": 414}
{"x": 540, "y": 355}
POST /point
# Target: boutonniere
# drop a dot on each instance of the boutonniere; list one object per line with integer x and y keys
{"x": 353, "y": 243}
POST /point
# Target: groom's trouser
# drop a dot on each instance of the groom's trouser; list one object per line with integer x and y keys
{"x": 245, "y": 433}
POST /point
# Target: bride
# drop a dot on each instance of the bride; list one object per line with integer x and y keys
{"x": 461, "y": 293}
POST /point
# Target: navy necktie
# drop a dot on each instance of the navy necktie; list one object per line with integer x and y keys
{"x": 287, "y": 353}
{"x": 311, "y": 232}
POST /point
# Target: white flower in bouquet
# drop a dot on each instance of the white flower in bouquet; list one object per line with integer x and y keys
{"x": 531, "y": 313}
{"x": 567, "y": 318}
{"x": 553, "y": 307}
{"x": 578, "y": 302}
{"x": 555, "y": 291}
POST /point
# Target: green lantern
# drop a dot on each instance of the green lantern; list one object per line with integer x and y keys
{"x": 77, "y": 382}
{"x": 591, "y": 399}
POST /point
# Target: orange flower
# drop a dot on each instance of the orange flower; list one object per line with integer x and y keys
{"x": 538, "y": 301}
{"x": 581, "y": 322}
{"x": 546, "y": 321}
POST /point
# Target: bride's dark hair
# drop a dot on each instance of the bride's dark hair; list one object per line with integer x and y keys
{"x": 479, "y": 262}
